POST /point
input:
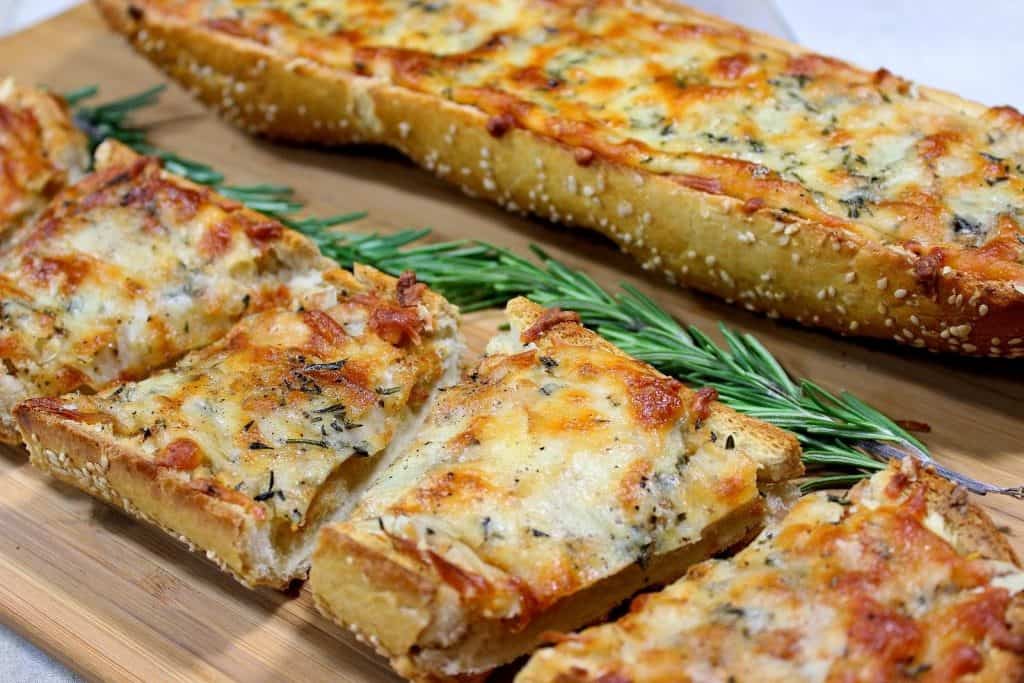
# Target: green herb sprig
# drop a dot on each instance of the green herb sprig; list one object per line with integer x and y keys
{"x": 843, "y": 438}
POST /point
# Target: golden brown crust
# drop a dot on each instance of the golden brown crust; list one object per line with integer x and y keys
{"x": 816, "y": 273}
{"x": 407, "y": 611}
{"x": 83, "y": 458}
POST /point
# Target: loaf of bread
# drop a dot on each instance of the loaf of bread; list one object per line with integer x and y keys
{"x": 556, "y": 480}
{"x": 784, "y": 181}
{"x": 246, "y": 447}
{"x": 901, "y": 580}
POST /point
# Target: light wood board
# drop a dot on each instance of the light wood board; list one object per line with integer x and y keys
{"x": 115, "y": 600}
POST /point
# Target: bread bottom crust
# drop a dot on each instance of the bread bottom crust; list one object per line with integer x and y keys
{"x": 390, "y": 603}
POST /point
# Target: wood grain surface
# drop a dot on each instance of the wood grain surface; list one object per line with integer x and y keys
{"x": 115, "y": 600}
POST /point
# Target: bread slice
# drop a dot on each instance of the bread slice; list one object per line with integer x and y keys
{"x": 128, "y": 270}
{"x": 901, "y": 580}
{"x": 41, "y": 152}
{"x": 556, "y": 480}
{"x": 730, "y": 161}
{"x": 246, "y": 447}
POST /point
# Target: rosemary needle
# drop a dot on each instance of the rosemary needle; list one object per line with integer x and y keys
{"x": 843, "y": 438}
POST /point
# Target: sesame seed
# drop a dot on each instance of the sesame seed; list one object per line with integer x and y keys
{"x": 900, "y": 293}
{"x": 983, "y": 310}
{"x": 882, "y": 283}
{"x": 850, "y": 277}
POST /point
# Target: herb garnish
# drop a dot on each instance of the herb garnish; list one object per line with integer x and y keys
{"x": 308, "y": 442}
{"x": 269, "y": 493}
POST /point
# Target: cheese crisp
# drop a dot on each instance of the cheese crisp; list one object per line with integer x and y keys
{"x": 245, "y": 447}
{"x": 557, "y": 479}
{"x": 903, "y": 580}
{"x": 41, "y": 152}
{"x": 128, "y": 270}
{"x": 789, "y": 182}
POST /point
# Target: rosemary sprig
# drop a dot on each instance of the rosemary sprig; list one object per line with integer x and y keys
{"x": 843, "y": 438}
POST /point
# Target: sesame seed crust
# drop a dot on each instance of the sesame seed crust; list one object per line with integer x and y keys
{"x": 820, "y": 275}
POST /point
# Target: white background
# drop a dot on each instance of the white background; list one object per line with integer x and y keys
{"x": 973, "y": 48}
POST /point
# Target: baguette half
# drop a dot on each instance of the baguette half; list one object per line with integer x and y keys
{"x": 558, "y": 479}
{"x": 901, "y": 580}
{"x": 246, "y": 447}
{"x": 781, "y": 180}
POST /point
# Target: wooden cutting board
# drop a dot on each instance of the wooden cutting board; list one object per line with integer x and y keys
{"x": 115, "y": 600}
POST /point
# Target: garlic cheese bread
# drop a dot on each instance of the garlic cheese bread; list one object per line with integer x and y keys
{"x": 784, "y": 181}
{"x": 41, "y": 152}
{"x": 128, "y": 270}
{"x": 904, "y": 580}
{"x": 557, "y": 479}
{"x": 247, "y": 446}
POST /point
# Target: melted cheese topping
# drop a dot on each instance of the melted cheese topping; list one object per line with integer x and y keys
{"x": 267, "y": 413}
{"x": 41, "y": 152}
{"x": 675, "y": 92}
{"x": 130, "y": 269}
{"x": 554, "y": 465}
{"x": 858, "y": 589}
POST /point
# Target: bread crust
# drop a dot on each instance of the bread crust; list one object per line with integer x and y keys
{"x": 392, "y": 602}
{"x": 804, "y": 270}
{"x": 227, "y": 532}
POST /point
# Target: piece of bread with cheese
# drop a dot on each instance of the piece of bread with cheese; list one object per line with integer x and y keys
{"x": 41, "y": 152}
{"x": 559, "y": 478}
{"x": 901, "y": 580}
{"x": 247, "y": 446}
{"x": 727, "y": 160}
{"x": 129, "y": 269}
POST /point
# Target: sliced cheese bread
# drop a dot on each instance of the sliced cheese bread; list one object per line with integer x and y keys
{"x": 902, "y": 580}
{"x": 247, "y": 446}
{"x": 128, "y": 270}
{"x": 557, "y": 479}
